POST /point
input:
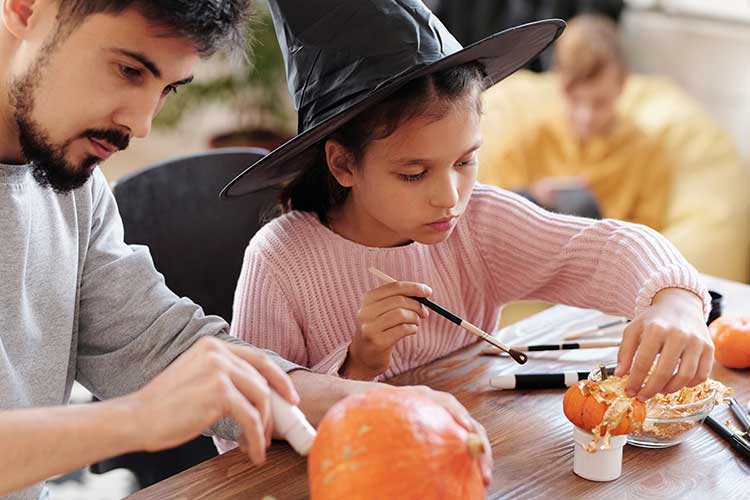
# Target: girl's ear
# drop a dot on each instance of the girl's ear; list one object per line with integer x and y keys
{"x": 340, "y": 163}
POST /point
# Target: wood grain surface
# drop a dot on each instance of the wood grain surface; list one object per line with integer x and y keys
{"x": 531, "y": 440}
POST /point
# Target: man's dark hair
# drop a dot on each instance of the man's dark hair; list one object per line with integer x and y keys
{"x": 210, "y": 24}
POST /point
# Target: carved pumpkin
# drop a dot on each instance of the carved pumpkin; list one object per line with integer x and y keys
{"x": 391, "y": 443}
{"x": 732, "y": 341}
{"x": 587, "y": 402}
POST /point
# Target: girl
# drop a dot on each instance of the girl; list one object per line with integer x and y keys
{"x": 394, "y": 187}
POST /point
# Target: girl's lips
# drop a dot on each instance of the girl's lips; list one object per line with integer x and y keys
{"x": 443, "y": 224}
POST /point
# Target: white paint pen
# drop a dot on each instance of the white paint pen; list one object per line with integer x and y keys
{"x": 291, "y": 424}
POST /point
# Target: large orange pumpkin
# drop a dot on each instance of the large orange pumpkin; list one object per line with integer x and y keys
{"x": 393, "y": 444}
{"x": 586, "y": 402}
{"x": 732, "y": 341}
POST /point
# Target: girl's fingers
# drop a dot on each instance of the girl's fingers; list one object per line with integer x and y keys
{"x": 628, "y": 346}
{"x": 644, "y": 359}
{"x": 397, "y": 317}
{"x": 664, "y": 370}
{"x": 393, "y": 335}
{"x": 400, "y": 302}
{"x": 688, "y": 367}
{"x": 405, "y": 288}
{"x": 705, "y": 364}
{"x": 375, "y": 310}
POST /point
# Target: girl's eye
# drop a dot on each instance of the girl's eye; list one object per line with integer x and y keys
{"x": 412, "y": 177}
{"x": 169, "y": 89}
{"x": 466, "y": 163}
{"x": 129, "y": 73}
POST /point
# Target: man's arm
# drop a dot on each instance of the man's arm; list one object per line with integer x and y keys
{"x": 131, "y": 325}
{"x": 201, "y": 386}
{"x": 318, "y": 392}
{"x": 41, "y": 442}
{"x": 212, "y": 379}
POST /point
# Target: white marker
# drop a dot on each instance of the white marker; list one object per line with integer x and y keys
{"x": 291, "y": 424}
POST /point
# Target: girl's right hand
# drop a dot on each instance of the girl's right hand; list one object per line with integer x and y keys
{"x": 387, "y": 315}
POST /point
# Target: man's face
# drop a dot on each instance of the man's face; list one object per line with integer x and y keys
{"x": 80, "y": 99}
{"x": 591, "y": 105}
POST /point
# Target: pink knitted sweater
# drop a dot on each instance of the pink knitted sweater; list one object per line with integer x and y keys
{"x": 302, "y": 284}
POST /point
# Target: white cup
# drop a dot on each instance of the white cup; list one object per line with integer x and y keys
{"x": 600, "y": 465}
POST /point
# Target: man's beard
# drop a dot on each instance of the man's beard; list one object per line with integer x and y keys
{"x": 48, "y": 164}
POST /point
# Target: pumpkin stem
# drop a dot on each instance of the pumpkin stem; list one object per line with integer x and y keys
{"x": 603, "y": 370}
{"x": 476, "y": 447}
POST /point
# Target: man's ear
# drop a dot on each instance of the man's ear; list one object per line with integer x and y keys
{"x": 340, "y": 163}
{"x": 17, "y": 16}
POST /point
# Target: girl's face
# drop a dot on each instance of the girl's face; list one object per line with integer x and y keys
{"x": 414, "y": 184}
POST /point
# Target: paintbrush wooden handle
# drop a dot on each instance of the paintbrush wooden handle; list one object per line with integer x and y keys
{"x": 518, "y": 356}
{"x": 589, "y": 344}
{"x": 594, "y": 329}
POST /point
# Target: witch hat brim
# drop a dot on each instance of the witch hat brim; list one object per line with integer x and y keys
{"x": 500, "y": 54}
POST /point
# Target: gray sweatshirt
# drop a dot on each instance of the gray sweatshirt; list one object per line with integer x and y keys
{"x": 77, "y": 303}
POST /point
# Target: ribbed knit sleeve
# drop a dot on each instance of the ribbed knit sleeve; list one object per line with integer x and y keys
{"x": 609, "y": 265}
{"x": 263, "y": 312}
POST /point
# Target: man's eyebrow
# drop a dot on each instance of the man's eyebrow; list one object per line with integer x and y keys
{"x": 141, "y": 58}
{"x": 150, "y": 65}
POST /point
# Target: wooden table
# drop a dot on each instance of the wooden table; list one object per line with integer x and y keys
{"x": 531, "y": 441}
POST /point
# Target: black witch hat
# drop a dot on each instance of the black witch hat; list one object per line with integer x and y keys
{"x": 342, "y": 56}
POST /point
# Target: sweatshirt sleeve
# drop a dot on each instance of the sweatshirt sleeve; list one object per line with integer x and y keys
{"x": 131, "y": 326}
{"x": 264, "y": 314}
{"x": 613, "y": 266}
{"x": 268, "y": 313}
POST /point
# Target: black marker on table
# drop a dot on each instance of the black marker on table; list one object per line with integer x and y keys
{"x": 734, "y": 437}
{"x": 559, "y": 380}
{"x": 740, "y": 413}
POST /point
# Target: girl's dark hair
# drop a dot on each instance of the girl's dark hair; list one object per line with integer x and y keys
{"x": 316, "y": 190}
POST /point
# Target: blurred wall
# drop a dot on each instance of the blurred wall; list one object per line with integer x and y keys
{"x": 710, "y": 58}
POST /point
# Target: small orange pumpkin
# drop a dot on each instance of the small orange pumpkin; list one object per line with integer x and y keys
{"x": 586, "y": 411}
{"x": 393, "y": 443}
{"x": 732, "y": 341}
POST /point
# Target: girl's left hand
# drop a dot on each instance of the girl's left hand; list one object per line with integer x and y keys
{"x": 674, "y": 328}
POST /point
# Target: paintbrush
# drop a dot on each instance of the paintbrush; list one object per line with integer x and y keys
{"x": 520, "y": 357}
{"x": 594, "y": 329}
{"x": 586, "y": 344}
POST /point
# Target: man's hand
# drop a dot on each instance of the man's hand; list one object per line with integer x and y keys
{"x": 462, "y": 416}
{"x": 212, "y": 379}
{"x": 675, "y": 329}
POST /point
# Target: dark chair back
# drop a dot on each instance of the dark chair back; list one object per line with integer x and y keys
{"x": 197, "y": 240}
